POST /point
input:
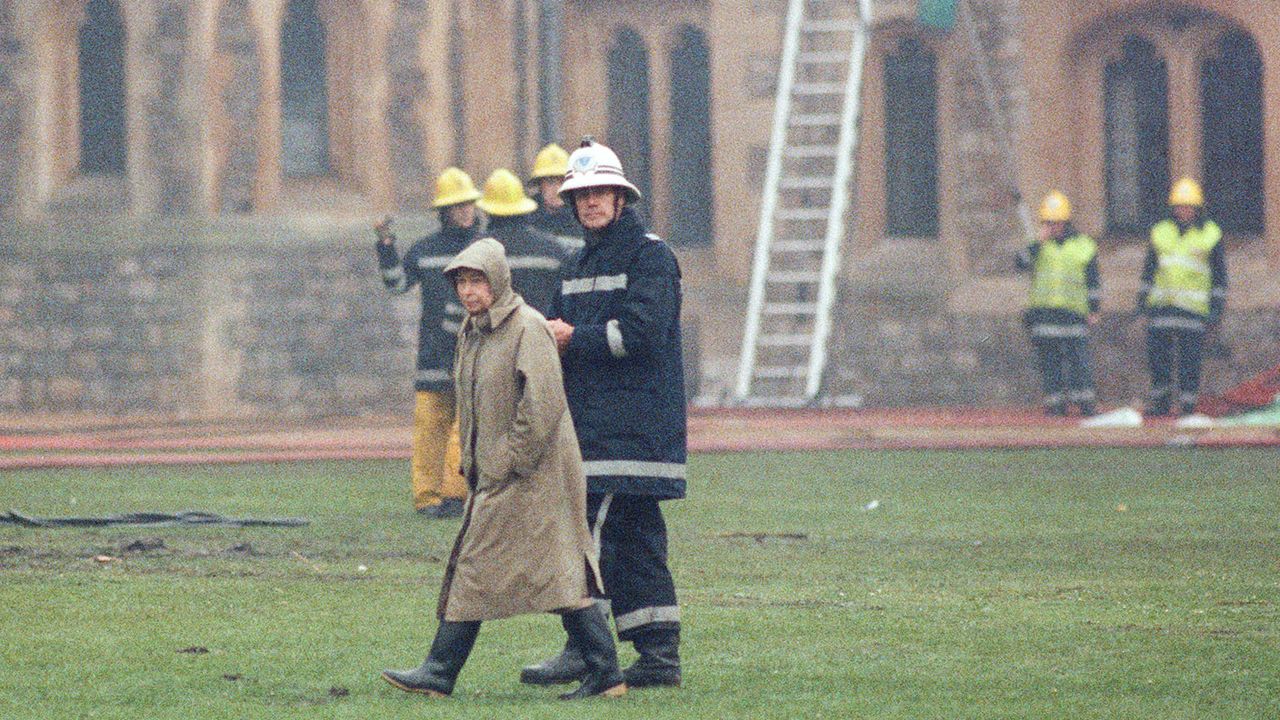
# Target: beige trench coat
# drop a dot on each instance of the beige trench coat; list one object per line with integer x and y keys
{"x": 524, "y": 546}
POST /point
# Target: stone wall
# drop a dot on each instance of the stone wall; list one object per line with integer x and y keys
{"x": 894, "y": 355}
{"x": 986, "y": 199}
{"x": 240, "y": 98}
{"x": 204, "y": 329}
{"x": 319, "y": 334}
{"x": 10, "y": 108}
{"x": 408, "y": 86}
{"x": 169, "y": 112}
{"x": 85, "y": 329}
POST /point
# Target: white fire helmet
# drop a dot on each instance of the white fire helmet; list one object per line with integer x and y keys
{"x": 595, "y": 165}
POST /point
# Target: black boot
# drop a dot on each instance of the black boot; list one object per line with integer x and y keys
{"x": 437, "y": 674}
{"x": 566, "y": 667}
{"x": 589, "y": 632}
{"x": 659, "y": 661}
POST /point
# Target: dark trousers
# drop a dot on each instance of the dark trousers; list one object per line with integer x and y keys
{"x": 1065, "y": 373}
{"x": 1167, "y": 348}
{"x": 633, "y": 561}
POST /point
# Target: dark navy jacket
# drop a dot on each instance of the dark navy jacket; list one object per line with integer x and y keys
{"x": 562, "y": 223}
{"x": 442, "y": 315}
{"x": 623, "y": 370}
{"x": 533, "y": 256}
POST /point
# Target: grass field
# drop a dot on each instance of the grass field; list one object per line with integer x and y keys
{"x": 1042, "y": 584}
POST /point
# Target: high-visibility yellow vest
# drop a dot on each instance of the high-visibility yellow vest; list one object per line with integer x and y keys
{"x": 1058, "y": 281}
{"x": 1183, "y": 278}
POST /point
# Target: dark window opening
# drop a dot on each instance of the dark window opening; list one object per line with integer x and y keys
{"x": 629, "y": 129}
{"x": 102, "y": 94}
{"x": 911, "y": 141}
{"x": 1137, "y": 138}
{"x": 691, "y": 205}
{"x": 304, "y": 102}
{"x": 1231, "y": 112}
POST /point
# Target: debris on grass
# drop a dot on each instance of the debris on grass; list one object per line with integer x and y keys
{"x": 104, "y": 559}
{"x": 194, "y": 650}
{"x": 314, "y": 565}
{"x": 243, "y": 548}
{"x": 142, "y": 545}
{"x": 760, "y": 537}
{"x": 338, "y": 691}
{"x": 232, "y": 677}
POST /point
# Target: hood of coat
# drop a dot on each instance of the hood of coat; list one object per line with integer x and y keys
{"x": 489, "y": 257}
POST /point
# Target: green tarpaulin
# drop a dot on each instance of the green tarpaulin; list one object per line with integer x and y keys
{"x": 939, "y": 14}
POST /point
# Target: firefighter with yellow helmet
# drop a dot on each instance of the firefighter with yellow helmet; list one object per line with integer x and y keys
{"x": 534, "y": 256}
{"x": 1064, "y": 302}
{"x": 438, "y": 488}
{"x": 553, "y": 214}
{"x": 1183, "y": 293}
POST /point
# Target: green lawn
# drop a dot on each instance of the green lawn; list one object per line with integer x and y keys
{"x": 1042, "y": 584}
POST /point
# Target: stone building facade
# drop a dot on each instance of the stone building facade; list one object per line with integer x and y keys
{"x": 186, "y": 186}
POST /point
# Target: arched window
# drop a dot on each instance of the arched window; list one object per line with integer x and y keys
{"x": 911, "y": 141}
{"x": 102, "y": 96}
{"x": 304, "y": 104}
{"x": 628, "y": 106}
{"x": 691, "y": 208}
{"x": 1137, "y": 137}
{"x": 1231, "y": 111}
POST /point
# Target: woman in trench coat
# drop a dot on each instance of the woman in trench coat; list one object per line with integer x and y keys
{"x": 524, "y": 546}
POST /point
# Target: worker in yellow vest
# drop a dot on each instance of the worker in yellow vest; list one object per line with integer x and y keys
{"x": 1064, "y": 302}
{"x": 1183, "y": 293}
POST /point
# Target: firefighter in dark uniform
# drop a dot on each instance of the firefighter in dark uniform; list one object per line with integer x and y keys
{"x": 553, "y": 214}
{"x": 1183, "y": 293}
{"x": 438, "y": 488}
{"x": 533, "y": 255}
{"x": 617, "y": 324}
{"x": 1064, "y": 302}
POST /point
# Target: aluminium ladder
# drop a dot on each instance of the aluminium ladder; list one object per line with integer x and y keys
{"x": 804, "y": 203}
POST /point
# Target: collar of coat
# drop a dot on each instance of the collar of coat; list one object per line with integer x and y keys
{"x": 626, "y": 226}
{"x": 488, "y": 256}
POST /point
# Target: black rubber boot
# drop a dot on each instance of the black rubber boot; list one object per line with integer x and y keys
{"x": 566, "y": 667}
{"x": 589, "y": 631}
{"x": 437, "y": 674}
{"x": 659, "y": 661}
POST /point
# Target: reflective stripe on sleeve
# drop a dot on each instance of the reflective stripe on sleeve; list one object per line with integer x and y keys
{"x": 613, "y": 333}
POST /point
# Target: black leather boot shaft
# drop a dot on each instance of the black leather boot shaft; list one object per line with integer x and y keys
{"x": 438, "y": 673}
{"x": 589, "y": 631}
{"x": 659, "y": 661}
{"x": 566, "y": 667}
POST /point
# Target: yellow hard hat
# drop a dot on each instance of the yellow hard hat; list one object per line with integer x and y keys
{"x": 504, "y": 195}
{"x": 1055, "y": 208}
{"x": 551, "y": 161}
{"x": 1186, "y": 192}
{"x": 454, "y": 187}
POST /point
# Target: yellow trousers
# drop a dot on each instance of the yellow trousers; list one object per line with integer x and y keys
{"x": 437, "y": 454}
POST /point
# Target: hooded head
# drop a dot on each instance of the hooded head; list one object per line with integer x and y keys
{"x": 487, "y": 255}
